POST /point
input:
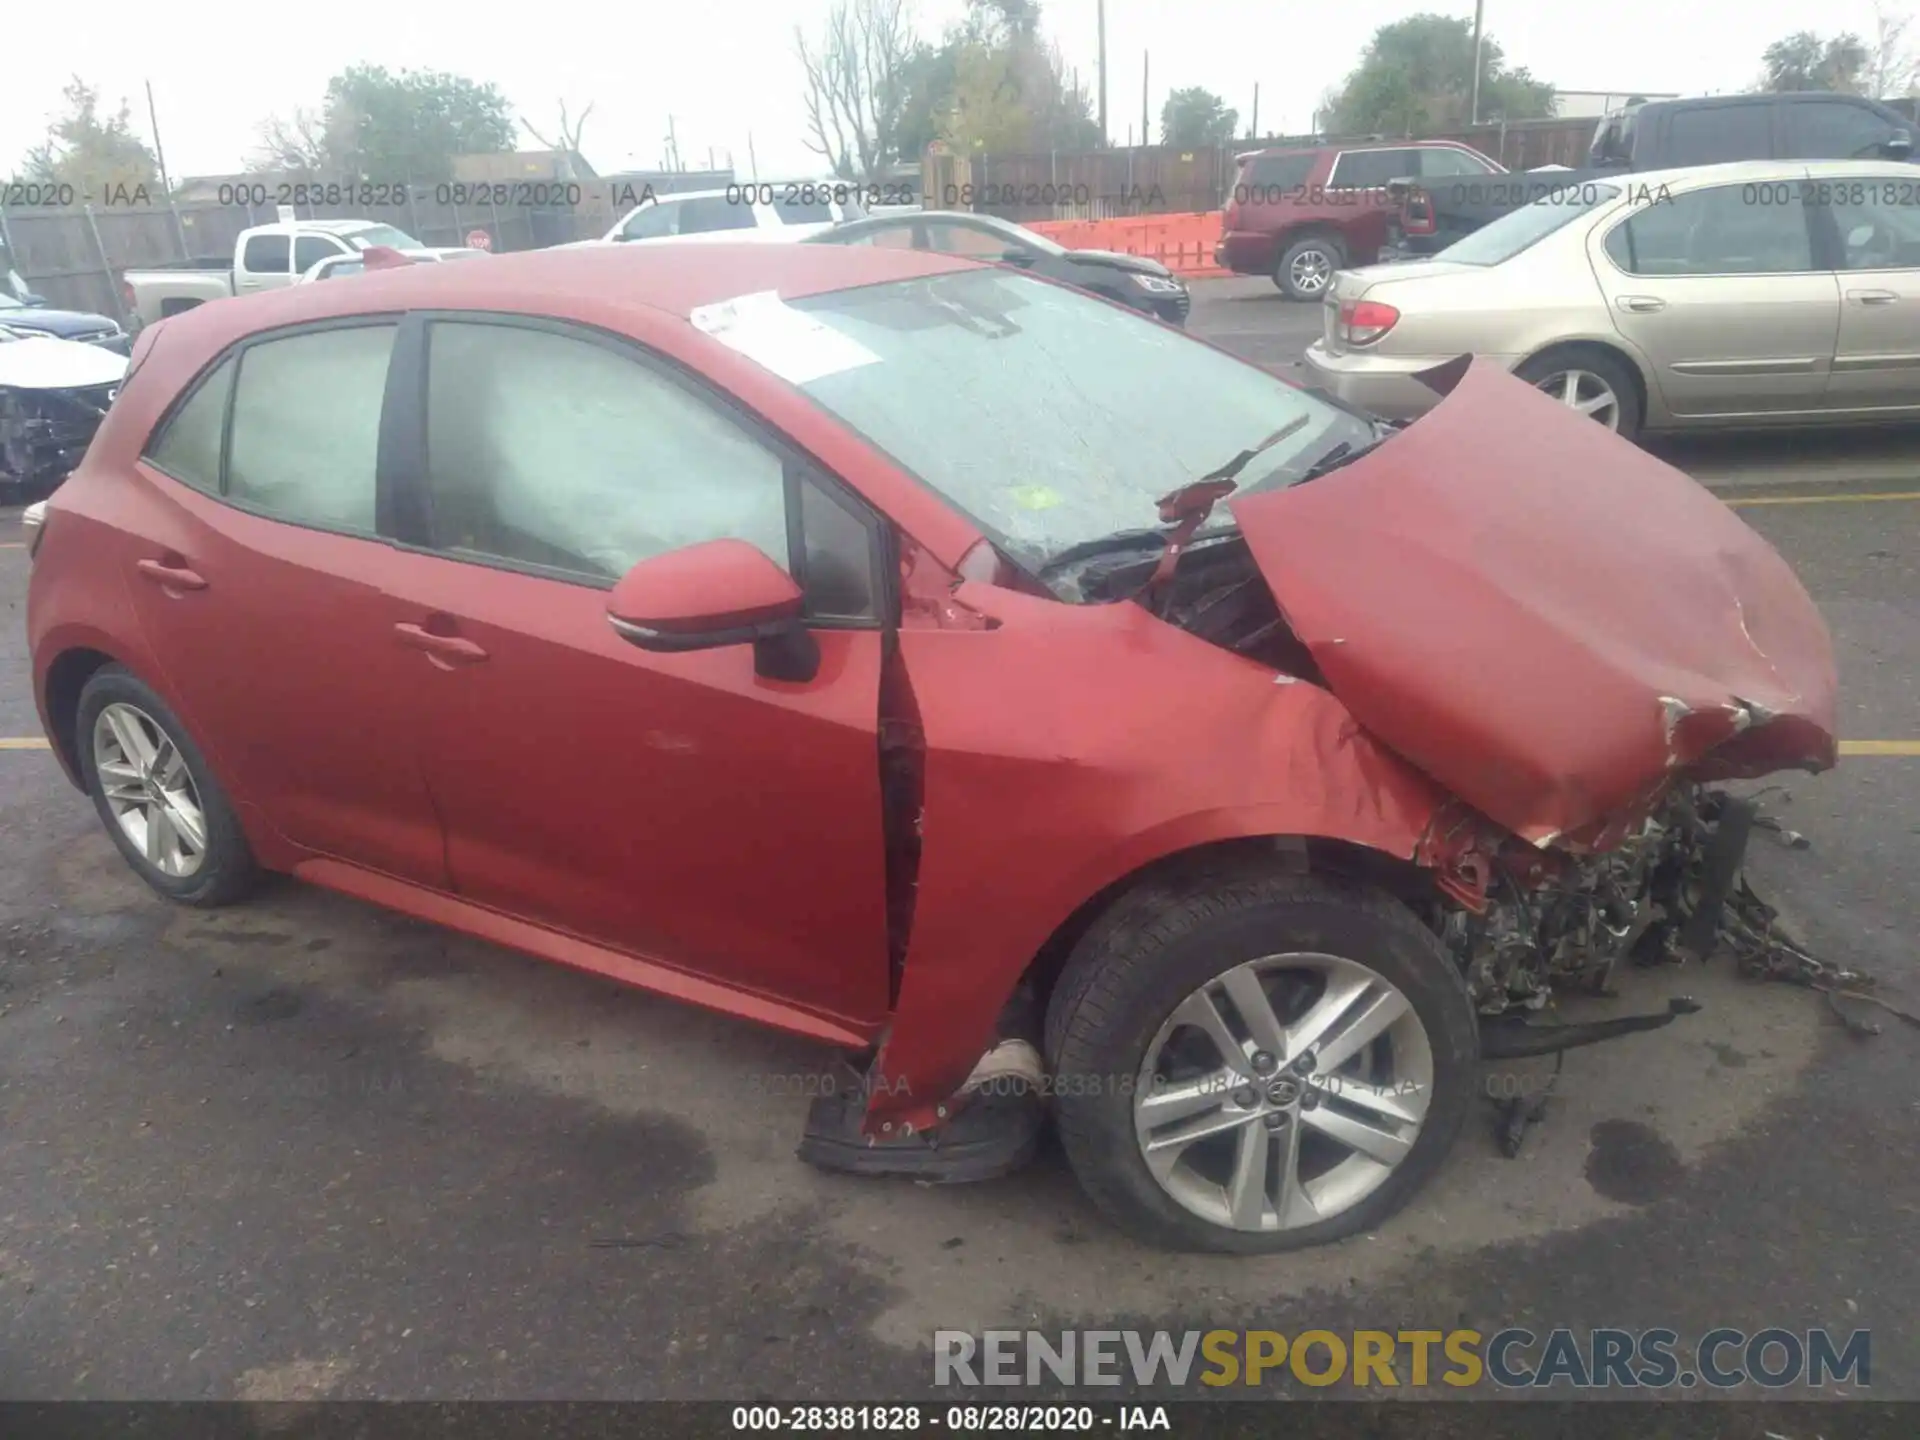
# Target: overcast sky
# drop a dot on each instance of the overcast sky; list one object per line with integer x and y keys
{"x": 725, "y": 69}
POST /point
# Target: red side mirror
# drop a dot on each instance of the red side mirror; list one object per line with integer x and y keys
{"x": 714, "y": 594}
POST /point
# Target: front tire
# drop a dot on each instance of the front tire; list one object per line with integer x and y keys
{"x": 156, "y": 794}
{"x": 1307, "y": 267}
{"x": 1256, "y": 1063}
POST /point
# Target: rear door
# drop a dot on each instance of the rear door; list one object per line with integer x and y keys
{"x": 1834, "y": 130}
{"x": 257, "y": 576}
{"x": 1719, "y": 290}
{"x": 1712, "y": 134}
{"x": 1876, "y": 245}
{"x": 1357, "y": 201}
{"x": 264, "y": 261}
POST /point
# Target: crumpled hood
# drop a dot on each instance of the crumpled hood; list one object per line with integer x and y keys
{"x": 1547, "y": 620}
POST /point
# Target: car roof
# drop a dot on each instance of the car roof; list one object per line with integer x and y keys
{"x": 1748, "y": 171}
{"x": 1381, "y": 142}
{"x": 663, "y": 280}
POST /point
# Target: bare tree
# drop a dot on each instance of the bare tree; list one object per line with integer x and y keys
{"x": 857, "y": 84}
{"x": 567, "y": 137}
{"x": 1893, "y": 67}
{"x": 295, "y": 143}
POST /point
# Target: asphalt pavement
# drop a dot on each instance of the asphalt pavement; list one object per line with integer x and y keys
{"x": 302, "y": 1148}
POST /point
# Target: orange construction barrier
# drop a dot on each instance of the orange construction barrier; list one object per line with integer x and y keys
{"x": 1182, "y": 243}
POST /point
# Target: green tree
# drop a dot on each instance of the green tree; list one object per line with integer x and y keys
{"x": 1195, "y": 117}
{"x": 1803, "y": 61}
{"x": 1416, "y": 77}
{"x": 409, "y": 126}
{"x": 89, "y": 151}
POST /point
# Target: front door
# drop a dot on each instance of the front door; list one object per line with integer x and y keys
{"x": 1877, "y": 243}
{"x": 674, "y": 806}
{"x": 1719, "y": 289}
{"x": 259, "y": 588}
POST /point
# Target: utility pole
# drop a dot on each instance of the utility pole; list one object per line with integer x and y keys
{"x": 159, "y": 151}
{"x": 1104, "y": 140}
{"x": 673, "y": 147}
{"x": 753, "y": 165}
{"x": 1146, "y": 132}
{"x": 1253, "y": 125}
{"x": 1478, "y": 5}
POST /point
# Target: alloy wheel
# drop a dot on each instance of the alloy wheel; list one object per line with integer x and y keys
{"x": 1585, "y": 392}
{"x": 1283, "y": 1092}
{"x": 149, "y": 790}
{"x": 1310, "y": 271}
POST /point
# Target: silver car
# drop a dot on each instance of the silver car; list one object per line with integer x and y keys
{"x": 1726, "y": 295}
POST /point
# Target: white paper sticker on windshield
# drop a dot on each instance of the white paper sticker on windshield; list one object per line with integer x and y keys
{"x": 775, "y": 336}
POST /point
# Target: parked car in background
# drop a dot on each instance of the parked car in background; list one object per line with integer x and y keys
{"x": 35, "y": 317}
{"x": 1763, "y": 293}
{"x": 336, "y": 267}
{"x": 53, "y": 394}
{"x": 265, "y": 257}
{"x": 765, "y": 210}
{"x": 1659, "y": 135}
{"x": 842, "y": 638}
{"x": 1138, "y": 282}
{"x": 1300, "y": 215}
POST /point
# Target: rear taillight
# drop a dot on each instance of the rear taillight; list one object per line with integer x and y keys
{"x": 1364, "y": 321}
{"x": 126, "y": 295}
{"x": 1416, "y": 213}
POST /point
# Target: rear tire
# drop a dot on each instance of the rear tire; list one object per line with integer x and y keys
{"x": 1307, "y": 267}
{"x": 156, "y": 794}
{"x": 1584, "y": 376}
{"x": 1112, "y": 1025}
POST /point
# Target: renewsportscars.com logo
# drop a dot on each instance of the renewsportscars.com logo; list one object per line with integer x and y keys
{"x": 1514, "y": 1358}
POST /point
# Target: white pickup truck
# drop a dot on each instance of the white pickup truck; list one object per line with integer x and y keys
{"x": 264, "y": 258}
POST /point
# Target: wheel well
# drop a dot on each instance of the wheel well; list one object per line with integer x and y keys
{"x": 1596, "y": 347}
{"x": 1305, "y": 855}
{"x": 1291, "y": 238}
{"x": 66, "y": 678}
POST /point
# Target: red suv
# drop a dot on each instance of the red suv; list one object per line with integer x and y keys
{"x": 1300, "y": 215}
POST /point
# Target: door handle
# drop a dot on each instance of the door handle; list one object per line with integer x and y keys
{"x": 1641, "y": 304}
{"x": 170, "y": 577}
{"x": 1872, "y": 297}
{"x": 444, "y": 650}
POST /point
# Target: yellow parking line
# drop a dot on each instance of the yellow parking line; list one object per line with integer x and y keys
{"x": 24, "y": 742}
{"x": 1825, "y": 499}
{"x": 13, "y": 544}
{"x": 1880, "y": 747}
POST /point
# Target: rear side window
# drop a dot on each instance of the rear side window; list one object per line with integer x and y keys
{"x": 306, "y": 426}
{"x": 1278, "y": 172}
{"x": 652, "y": 222}
{"x": 714, "y": 212}
{"x": 1445, "y": 164}
{"x": 266, "y": 255}
{"x": 1721, "y": 231}
{"x": 1372, "y": 169}
{"x": 1714, "y": 134}
{"x": 801, "y": 208}
{"x": 188, "y": 445}
{"x": 1829, "y": 130}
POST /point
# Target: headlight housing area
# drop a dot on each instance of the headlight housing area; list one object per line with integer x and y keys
{"x": 1159, "y": 284}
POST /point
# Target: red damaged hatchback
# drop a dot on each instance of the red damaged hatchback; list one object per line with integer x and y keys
{"x": 1049, "y": 711}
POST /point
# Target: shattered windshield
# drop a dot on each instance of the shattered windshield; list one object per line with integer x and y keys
{"x": 1048, "y": 417}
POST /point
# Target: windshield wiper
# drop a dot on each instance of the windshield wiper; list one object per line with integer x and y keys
{"x": 1343, "y": 454}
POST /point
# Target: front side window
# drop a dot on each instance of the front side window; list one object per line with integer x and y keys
{"x": 266, "y": 255}
{"x": 306, "y": 426}
{"x": 1831, "y": 130}
{"x": 1372, "y": 169}
{"x": 1878, "y": 221}
{"x": 551, "y": 451}
{"x": 1758, "y": 229}
{"x": 1051, "y": 418}
{"x": 310, "y": 250}
{"x": 188, "y": 445}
